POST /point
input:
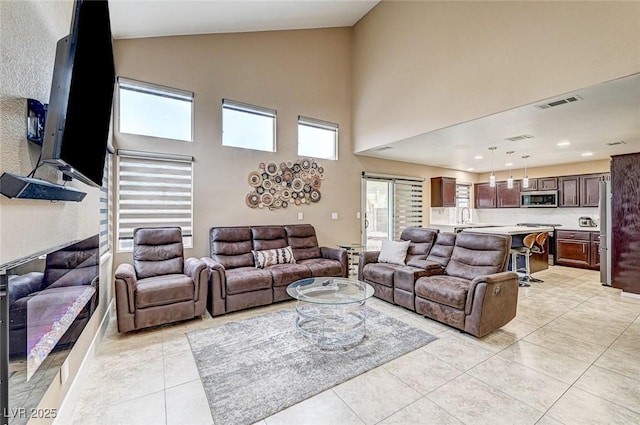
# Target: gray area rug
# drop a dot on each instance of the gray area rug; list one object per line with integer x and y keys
{"x": 257, "y": 367}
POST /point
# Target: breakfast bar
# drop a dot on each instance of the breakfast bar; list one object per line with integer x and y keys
{"x": 538, "y": 260}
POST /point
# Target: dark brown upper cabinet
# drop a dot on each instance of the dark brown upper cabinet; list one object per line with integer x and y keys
{"x": 590, "y": 189}
{"x": 484, "y": 195}
{"x": 443, "y": 192}
{"x": 508, "y": 198}
{"x": 548, "y": 183}
{"x": 569, "y": 191}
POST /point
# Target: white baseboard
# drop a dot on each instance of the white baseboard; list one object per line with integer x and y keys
{"x": 65, "y": 413}
{"x": 630, "y": 295}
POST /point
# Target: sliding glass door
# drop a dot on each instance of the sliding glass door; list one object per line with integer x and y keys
{"x": 389, "y": 204}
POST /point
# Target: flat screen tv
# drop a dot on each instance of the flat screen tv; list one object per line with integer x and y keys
{"x": 79, "y": 114}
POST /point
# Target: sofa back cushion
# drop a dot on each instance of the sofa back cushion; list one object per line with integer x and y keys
{"x": 231, "y": 246}
{"x": 421, "y": 241}
{"x": 442, "y": 249}
{"x": 158, "y": 251}
{"x": 268, "y": 237}
{"x": 303, "y": 241}
{"x": 477, "y": 254}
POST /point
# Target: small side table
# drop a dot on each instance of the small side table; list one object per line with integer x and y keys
{"x": 353, "y": 251}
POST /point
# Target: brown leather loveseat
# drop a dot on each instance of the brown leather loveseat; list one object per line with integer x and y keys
{"x": 460, "y": 280}
{"x": 235, "y": 283}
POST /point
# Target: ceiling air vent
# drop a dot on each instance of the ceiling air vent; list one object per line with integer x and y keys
{"x": 520, "y": 137}
{"x": 619, "y": 142}
{"x": 384, "y": 148}
{"x": 559, "y": 102}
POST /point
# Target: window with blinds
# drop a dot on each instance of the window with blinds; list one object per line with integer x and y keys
{"x": 105, "y": 211}
{"x": 463, "y": 195}
{"x": 152, "y": 110}
{"x": 316, "y": 138}
{"x": 407, "y": 208}
{"x": 248, "y": 126}
{"x": 154, "y": 190}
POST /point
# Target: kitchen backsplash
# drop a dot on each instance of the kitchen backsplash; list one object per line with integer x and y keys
{"x": 567, "y": 217}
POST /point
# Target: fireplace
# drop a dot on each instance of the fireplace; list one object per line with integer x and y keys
{"x": 46, "y": 300}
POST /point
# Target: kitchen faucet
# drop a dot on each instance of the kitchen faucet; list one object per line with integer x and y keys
{"x": 462, "y": 220}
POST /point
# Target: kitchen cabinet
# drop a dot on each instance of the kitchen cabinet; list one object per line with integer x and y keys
{"x": 548, "y": 183}
{"x": 590, "y": 189}
{"x": 569, "y": 191}
{"x": 578, "y": 249}
{"x": 533, "y": 186}
{"x": 484, "y": 195}
{"x": 508, "y": 198}
{"x": 443, "y": 192}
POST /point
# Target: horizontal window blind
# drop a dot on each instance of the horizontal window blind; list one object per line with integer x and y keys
{"x": 154, "y": 191}
{"x": 463, "y": 195}
{"x": 105, "y": 212}
{"x": 407, "y": 205}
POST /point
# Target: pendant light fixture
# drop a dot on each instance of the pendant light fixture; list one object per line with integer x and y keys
{"x": 510, "y": 179}
{"x": 492, "y": 177}
{"x": 525, "y": 180}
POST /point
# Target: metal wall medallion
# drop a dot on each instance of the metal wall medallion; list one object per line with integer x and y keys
{"x": 275, "y": 186}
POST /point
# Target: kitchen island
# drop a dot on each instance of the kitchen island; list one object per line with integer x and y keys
{"x": 538, "y": 261}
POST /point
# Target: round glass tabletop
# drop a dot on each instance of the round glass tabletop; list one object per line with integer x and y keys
{"x": 330, "y": 290}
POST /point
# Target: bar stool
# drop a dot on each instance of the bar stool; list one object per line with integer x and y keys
{"x": 525, "y": 250}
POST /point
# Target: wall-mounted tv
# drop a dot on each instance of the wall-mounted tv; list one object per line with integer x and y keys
{"x": 79, "y": 114}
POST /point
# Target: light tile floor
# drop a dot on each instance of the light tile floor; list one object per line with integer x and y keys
{"x": 571, "y": 356}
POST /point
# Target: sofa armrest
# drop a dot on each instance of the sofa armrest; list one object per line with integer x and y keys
{"x": 432, "y": 266}
{"x": 338, "y": 255}
{"x": 366, "y": 258}
{"x": 217, "y": 286}
{"x": 126, "y": 282}
{"x": 23, "y": 285}
{"x": 197, "y": 270}
{"x": 491, "y": 302}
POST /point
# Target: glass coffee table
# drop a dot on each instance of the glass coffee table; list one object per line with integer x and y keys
{"x": 331, "y": 310}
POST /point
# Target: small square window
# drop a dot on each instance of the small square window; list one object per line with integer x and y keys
{"x": 248, "y": 126}
{"x": 150, "y": 110}
{"x": 317, "y": 139}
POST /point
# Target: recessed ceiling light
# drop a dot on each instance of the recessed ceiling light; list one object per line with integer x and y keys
{"x": 564, "y": 143}
{"x": 508, "y": 164}
{"x": 587, "y": 154}
{"x": 477, "y": 157}
{"x": 469, "y": 169}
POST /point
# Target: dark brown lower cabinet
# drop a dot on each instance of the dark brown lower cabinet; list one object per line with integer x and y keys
{"x": 578, "y": 249}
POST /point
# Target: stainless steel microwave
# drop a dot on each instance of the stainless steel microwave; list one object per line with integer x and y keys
{"x": 539, "y": 199}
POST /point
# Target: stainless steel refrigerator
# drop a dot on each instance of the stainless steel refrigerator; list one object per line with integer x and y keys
{"x": 605, "y": 232}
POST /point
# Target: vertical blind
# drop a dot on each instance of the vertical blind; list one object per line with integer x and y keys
{"x": 154, "y": 190}
{"x": 407, "y": 205}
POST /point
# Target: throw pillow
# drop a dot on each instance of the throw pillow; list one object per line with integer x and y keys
{"x": 269, "y": 257}
{"x": 393, "y": 252}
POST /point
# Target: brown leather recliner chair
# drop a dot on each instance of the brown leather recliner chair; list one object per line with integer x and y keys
{"x": 161, "y": 286}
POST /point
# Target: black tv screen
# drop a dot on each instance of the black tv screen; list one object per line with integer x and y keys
{"x": 79, "y": 114}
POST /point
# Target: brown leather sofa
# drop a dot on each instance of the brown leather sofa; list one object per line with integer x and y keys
{"x": 235, "y": 283}
{"x": 161, "y": 286}
{"x": 461, "y": 280}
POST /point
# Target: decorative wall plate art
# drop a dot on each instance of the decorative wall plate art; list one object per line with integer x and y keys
{"x": 275, "y": 186}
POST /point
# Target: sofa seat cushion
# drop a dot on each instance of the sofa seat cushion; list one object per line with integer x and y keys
{"x": 447, "y": 290}
{"x": 162, "y": 290}
{"x": 246, "y": 279}
{"x": 284, "y": 274}
{"x": 321, "y": 267}
{"x": 379, "y": 273}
